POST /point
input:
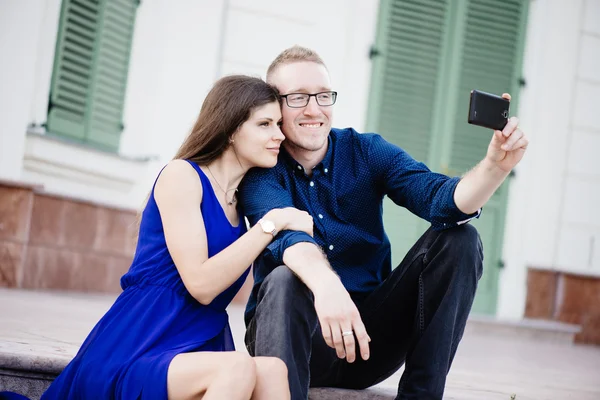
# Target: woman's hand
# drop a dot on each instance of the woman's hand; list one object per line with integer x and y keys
{"x": 292, "y": 219}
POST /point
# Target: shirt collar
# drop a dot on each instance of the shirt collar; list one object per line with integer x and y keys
{"x": 324, "y": 165}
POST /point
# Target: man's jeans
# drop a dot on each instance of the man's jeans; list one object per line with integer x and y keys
{"x": 416, "y": 316}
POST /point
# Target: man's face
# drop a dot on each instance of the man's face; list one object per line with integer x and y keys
{"x": 305, "y": 128}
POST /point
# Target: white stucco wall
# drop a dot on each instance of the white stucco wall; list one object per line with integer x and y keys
{"x": 341, "y": 31}
{"x": 181, "y": 47}
{"x": 23, "y": 76}
{"x": 553, "y": 219}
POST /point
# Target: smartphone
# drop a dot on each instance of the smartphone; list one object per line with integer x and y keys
{"x": 488, "y": 110}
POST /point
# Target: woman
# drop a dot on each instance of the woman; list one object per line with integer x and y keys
{"x": 167, "y": 335}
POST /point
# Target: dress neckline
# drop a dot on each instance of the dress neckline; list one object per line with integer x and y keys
{"x": 203, "y": 176}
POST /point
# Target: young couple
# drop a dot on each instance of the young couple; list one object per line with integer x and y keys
{"x": 326, "y": 308}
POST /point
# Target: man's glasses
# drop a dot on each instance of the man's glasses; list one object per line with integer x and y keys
{"x": 299, "y": 100}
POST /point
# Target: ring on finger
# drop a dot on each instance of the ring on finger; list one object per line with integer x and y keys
{"x": 347, "y": 333}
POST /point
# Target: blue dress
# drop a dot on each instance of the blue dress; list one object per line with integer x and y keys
{"x": 127, "y": 354}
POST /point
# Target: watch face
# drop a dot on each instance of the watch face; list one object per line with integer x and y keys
{"x": 268, "y": 226}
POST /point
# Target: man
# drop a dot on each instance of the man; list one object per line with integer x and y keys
{"x": 317, "y": 302}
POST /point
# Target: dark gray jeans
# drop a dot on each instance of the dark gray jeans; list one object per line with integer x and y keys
{"x": 416, "y": 316}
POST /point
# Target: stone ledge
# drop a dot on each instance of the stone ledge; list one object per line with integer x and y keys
{"x": 45, "y": 329}
{"x": 32, "y": 385}
{"x": 548, "y": 331}
{"x": 374, "y": 393}
{"x": 29, "y": 384}
{"x": 565, "y": 297}
{"x": 57, "y": 242}
{"x": 48, "y": 365}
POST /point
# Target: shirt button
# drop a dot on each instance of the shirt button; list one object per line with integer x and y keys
{"x": 326, "y": 170}
{"x": 330, "y": 247}
{"x": 321, "y": 216}
{"x": 312, "y": 183}
{"x": 300, "y": 167}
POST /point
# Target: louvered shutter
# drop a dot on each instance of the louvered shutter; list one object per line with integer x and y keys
{"x": 411, "y": 57}
{"x": 107, "y": 100}
{"x": 73, "y": 68}
{"x": 490, "y": 51}
{"x": 409, "y": 41}
{"x": 490, "y": 60}
{"x": 90, "y": 71}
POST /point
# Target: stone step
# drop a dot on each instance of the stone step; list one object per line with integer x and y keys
{"x": 375, "y": 393}
{"x": 535, "y": 329}
{"x": 41, "y": 331}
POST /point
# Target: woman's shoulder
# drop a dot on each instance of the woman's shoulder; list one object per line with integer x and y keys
{"x": 178, "y": 178}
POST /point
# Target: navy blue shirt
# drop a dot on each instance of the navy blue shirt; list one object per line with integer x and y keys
{"x": 345, "y": 195}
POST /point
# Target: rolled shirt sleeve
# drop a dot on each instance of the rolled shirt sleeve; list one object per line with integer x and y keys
{"x": 261, "y": 192}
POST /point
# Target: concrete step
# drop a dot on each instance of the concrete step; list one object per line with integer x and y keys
{"x": 542, "y": 330}
{"x": 41, "y": 331}
{"x": 27, "y": 383}
{"x": 375, "y": 393}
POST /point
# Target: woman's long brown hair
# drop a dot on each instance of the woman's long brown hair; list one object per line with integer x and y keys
{"x": 226, "y": 107}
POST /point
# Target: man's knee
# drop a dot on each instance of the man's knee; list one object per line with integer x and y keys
{"x": 284, "y": 286}
{"x": 465, "y": 233}
{"x": 284, "y": 305}
{"x": 282, "y": 279}
{"x": 465, "y": 244}
{"x": 281, "y": 275}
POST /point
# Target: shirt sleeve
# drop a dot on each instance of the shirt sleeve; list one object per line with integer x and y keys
{"x": 411, "y": 184}
{"x": 260, "y": 192}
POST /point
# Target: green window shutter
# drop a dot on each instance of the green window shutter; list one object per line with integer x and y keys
{"x": 73, "y": 69}
{"x": 489, "y": 57}
{"x": 405, "y": 83}
{"x": 429, "y": 55}
{"x": 491, "y": 48}
{"x": 410, "y": 42}
{"x": 111, "y": 67}
{"x": 90, "y": 71}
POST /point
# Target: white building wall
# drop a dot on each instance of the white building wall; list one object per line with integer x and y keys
{"x": 22, "y": 46}
{"x": 578, "y": 238}
{"x": 173, "y": 65}
{"x": 341, "y": 31}
{"x": 181, "y": 47}
{"x": 553, "y": 219}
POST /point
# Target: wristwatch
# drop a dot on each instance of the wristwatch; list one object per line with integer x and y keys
{"x": 267, "y": 226}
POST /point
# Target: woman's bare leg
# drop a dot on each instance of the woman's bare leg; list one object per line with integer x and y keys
{"x": 271, "y": 379}
{"x": 211, "y": 376}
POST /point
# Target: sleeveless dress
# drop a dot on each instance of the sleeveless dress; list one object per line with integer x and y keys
{"x": 127, "y": 354}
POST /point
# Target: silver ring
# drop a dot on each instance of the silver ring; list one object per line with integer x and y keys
{"x": 347, "y": 333}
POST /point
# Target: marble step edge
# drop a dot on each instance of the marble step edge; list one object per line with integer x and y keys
{"x": 28, "y": 363}
{"x": 538, "y": 328}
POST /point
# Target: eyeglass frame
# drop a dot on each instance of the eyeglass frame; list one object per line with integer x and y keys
{"x": 332, "y": 92}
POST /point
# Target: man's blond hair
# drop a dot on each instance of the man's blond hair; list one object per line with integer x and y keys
{"x": 291, "y": 55}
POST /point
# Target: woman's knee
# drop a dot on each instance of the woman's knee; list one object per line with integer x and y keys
{"x": 271, "y": 367}
{"x": 240, "y": 368}
{"x": 191, "y": 374}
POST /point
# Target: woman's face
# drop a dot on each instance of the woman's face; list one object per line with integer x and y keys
{"x": 257, "y": 141}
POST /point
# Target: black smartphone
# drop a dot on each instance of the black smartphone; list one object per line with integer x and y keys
{"x": 488, "y": 110}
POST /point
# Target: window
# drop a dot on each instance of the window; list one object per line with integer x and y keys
{"x": 90, "y": 71}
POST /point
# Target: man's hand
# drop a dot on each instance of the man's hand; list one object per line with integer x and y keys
{"x": 504, "y": 152}
{"x": 335, "y": 309}
{"x": 340, "y": 320}
{"x": 507, "y": 146}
